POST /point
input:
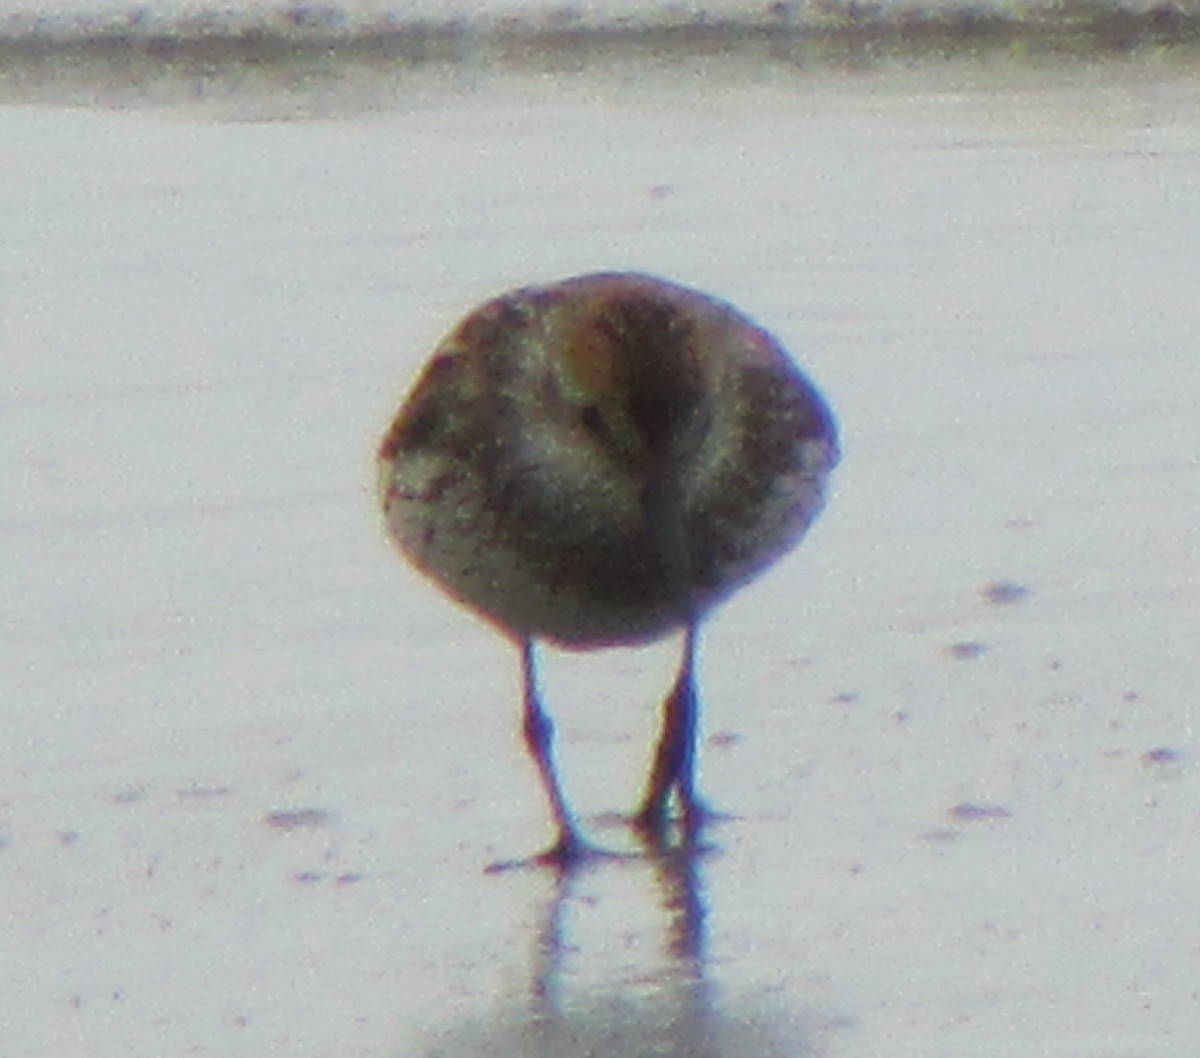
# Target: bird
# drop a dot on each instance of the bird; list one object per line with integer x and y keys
{"x": 599, "y": 462}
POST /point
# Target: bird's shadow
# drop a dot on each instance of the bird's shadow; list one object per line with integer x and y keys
{"x": 670, "y": 1012}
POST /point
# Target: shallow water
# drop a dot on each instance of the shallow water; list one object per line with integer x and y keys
{"x": 255, "y": 767}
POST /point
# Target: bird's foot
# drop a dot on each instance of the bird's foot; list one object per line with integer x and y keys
{"x": 568, "y": 853}
{"x": 655, "y": 826}
{"x": 650, "y": 823}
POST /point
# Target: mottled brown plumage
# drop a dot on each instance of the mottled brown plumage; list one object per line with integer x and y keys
{"x": 600, "y": 462}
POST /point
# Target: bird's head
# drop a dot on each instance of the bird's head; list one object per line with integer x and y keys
{"x": 627, "y": 368}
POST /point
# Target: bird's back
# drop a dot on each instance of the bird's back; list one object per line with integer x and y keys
{"x": 602, "y": 460}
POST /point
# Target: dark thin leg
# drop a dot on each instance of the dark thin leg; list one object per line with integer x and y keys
{"x": 539, "y": 740}
{"x": 675, "y": 760}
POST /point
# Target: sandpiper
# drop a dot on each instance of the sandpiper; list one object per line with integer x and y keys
{"x": 599, "y": 462}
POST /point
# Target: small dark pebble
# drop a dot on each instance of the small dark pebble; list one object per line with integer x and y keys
{"x": 1003, "y": 593}
{"x": 298, "y": 819}
{"x": 724, "y": 739}
{"x": 965, "y": 650}
{"x": 975, "y": 813}
{"x": 202, "y": 791}
{"x": 310, "y": 877}
{"x": 129, "y": 795}
{"x": 1162, "y": 755}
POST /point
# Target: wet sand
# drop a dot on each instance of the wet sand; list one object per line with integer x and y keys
{"x": 254, "y": 767}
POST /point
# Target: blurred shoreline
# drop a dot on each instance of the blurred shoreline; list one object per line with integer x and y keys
{"x": 134, "y": 55}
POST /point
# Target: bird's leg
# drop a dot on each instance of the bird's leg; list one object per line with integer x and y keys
{"x": 539, "y": 740}
{"x": 675, "y": 759}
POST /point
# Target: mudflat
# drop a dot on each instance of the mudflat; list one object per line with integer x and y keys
{"x": 253, "y": 767}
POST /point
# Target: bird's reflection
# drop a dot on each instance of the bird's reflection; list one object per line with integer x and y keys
{"x": 667, "y": 1015}
{"x": 669, "y": 1012}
